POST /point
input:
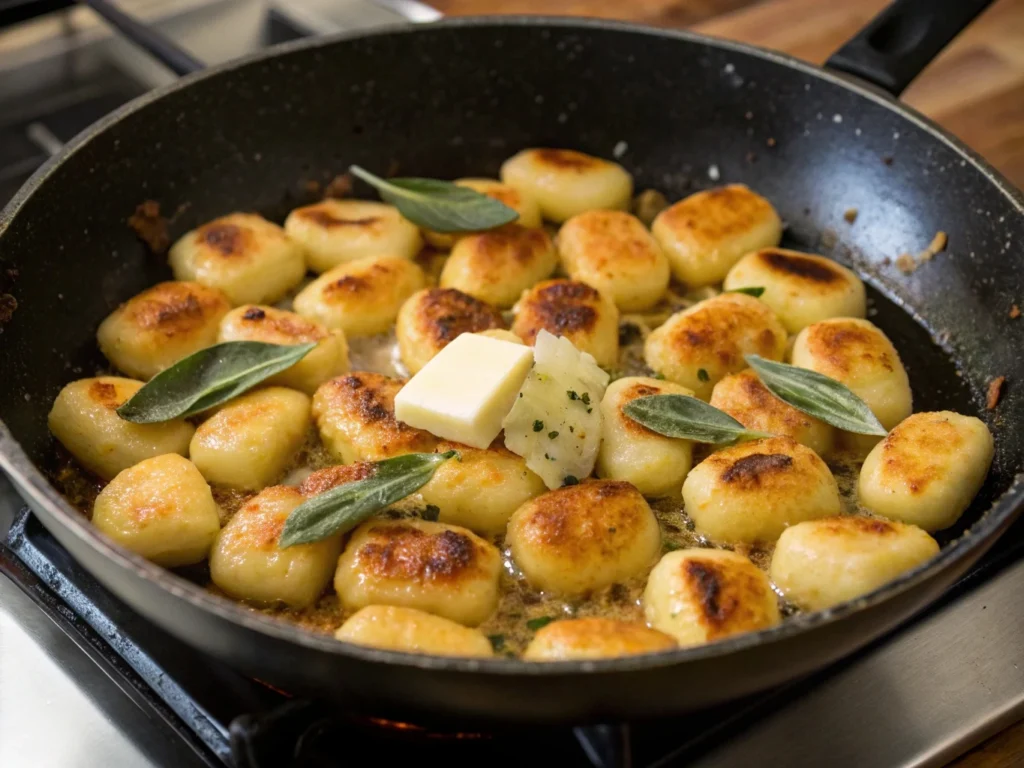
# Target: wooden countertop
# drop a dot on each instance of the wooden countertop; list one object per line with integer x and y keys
{"x": 975, "y": 89}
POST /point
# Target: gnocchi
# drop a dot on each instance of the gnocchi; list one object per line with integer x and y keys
{"x": 161, "y": 325}
{"x": 430, "y": 319}
{"x": 161, "y": 509}
{"x": 334, "y": 232}
{"x": 613, "y": 252}
{"x": 407, "y": 629}
{"x": 520, "y": 202}
{"x": 433, "y": 567}
{"x": 701, "y": 345}
{"x": 573, "y": 310}
{"x": 247, "y": 257}
{"x": 565, "y": 183}
{"x": 595, "y": 638}
{"x": 821, "y": 563}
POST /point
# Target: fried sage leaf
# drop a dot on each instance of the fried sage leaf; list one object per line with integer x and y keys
{"x": 209, "y": 377}
{"x": 343, "y": 508}
{"x": 439, "y": 205}
{"x": 816, "y": 395}
{"x": 757, "y": 291}
{"x": 689, "y": 418}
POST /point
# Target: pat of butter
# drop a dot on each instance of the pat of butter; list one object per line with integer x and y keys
{"x": 466, "y": 390}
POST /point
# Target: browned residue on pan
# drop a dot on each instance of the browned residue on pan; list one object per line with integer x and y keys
{"x": 995, "y": 392}
{"x": 150, "y": 226}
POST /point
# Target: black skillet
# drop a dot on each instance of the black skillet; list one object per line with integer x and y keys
{"x": 457, "y": 97}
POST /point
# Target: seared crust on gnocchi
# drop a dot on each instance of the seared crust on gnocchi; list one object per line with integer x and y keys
{"x": 247, "y": 563}
{"x": 656, "y": 465}
{"x": 565, "y": 183}
{"x": 584, "y": 537}
{"x": 746, "y": 399}
{"x": 162, "y": 509}
{"x": 701, "y": 345}
{"x": 706, "y": 233}
{"x": 498, "y": 265}
{"x": 822, "y": 563}
{"x": 594, "y": 638}
{"x": 247, "y": 257}
{"x": 927, "y": 470}
{"x": 84, "y": 419}
{"x": 751, "y": 492}
{"x": 337, "y": 231}
{"x": 572, "y": 309}
{"x": 613, "y": 252}
{"x": 407, "y": 629}
{"x": 329, "y": 358}
{"x": 432, "y": 318}
{"x": 161, "y": 325}
{"x": 702, "y": 595}
{"x": 355, "y": 415}
{"x": 802, "y": 288}
{"x": 482, "y": 489}
{"x": 361, "y": 297}
{"x": 441, "y": 569}
{"x": 520, "y": 202}
{"x": 857, "y": 353}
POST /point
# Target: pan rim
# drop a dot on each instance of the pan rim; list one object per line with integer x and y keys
{"x": 29, "y": 478}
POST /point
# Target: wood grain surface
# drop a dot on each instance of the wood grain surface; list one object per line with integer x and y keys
{"x": 975, "y": 89}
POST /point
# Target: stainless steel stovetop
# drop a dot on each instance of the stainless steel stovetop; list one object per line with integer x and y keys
{"x": 920, "y": 698}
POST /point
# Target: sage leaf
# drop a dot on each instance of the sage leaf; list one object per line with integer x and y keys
{"x": 816, "y": 395}
{"x": 439, "y": 205}
{"x": 343, "y": 508}
{"x": 209, "y": 377}
{"x": 757, "y": 291}
{"x": 689, "y": 418}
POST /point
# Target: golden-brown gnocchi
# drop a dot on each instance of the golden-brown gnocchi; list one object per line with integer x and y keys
{"x": 656, "y": 465}
{"x": 701, "y": 345}
{"x": 594, "y": 638}
{"x": 431, "y": 319}
{"x": 927, "y": 470}
{"x": 337, "y": 231}
{"x": 249, "y": 442}
{"x": 437, "y": 568}
{"x": 584, "y": 537}
{"x": 248, "y": 563}
{"x": 701, "y": 595}
{"x": 161, "y": 325}
{"x": 329, "y": 358}
{"x": 84, "y": 419}
{"x": 751, "y": 492}
{"x": 361, "y": 297}
{"x": 801, "y": 288}
{"x": 498, "y": 265}
{"x": 613, "y": 252}
{"x": 355, "y": 415}
{"x": 821, "y": 563}
{"x": 247, "y": 257}
{"x": 572, "y": 309}
{"x": 482, "y": 489}
{"x": 706, "y": 233}
{"x": 520, "y": 202}
{"x": 162, "y": 509}
{"x": 565, "y": 183}
{"x": 856, "y": 353}
{"x": 407, "y": 629}
{"x": 746, "y": 399}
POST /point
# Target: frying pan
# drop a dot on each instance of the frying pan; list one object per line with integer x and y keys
{"x": 456, "y": 97}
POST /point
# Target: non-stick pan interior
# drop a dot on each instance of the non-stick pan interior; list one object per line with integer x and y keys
{"x": 457, "y": 99}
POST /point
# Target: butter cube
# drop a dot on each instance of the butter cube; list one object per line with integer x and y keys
{"x": 466, "y": 390}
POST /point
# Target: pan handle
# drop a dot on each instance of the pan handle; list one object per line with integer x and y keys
{"x": 903, "y": 39}
{"x": 178, "y": 60}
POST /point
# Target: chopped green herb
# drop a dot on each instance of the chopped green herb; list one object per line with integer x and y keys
{"x": 572, "y": 394}
{"x": 669, "y": 546}
{"x": 431, "y": 512}
{"x": 659, "y": 376}
{"x": 703, "y": 375}
{"x": 497, "y": 641}
{"x": 572, "y": 428}
{"x": 549, "y": 458}
{"x": 612, "y": 529}
{"x": 585, "y": 397}
{"x": 520, "y": 394}
{"x": 590, "y": 410}
{"x": 539, "y": 622}
{"x": 538, "y": 425}
{"x": 570, "y": 480}
{"x": 553, "y": 434}
{"x": 755, "y": 291}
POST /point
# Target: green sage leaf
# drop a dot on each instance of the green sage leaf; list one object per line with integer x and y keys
{"x": 209, "y": 377}
{"x": 756, "y": 291}
{"x": 343, "y": 508}
{"x": 688, "y": 418}
{"x": 817, "y": 395}
{"x": 439, "y": 205}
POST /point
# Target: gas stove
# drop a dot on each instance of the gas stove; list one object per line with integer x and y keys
{"x": 86, "y": 681}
